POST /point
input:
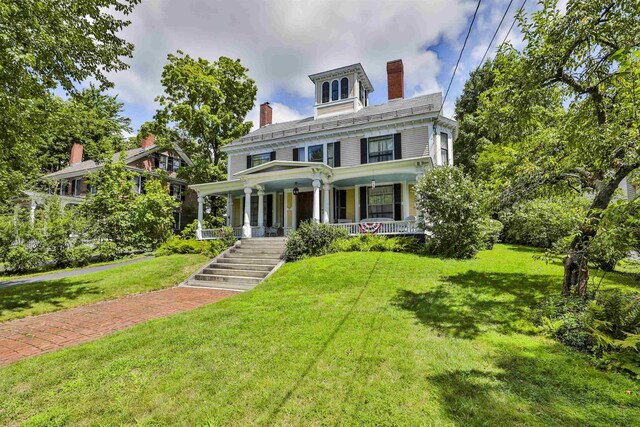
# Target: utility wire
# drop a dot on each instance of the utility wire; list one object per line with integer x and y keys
{"x": 459, "y": 57}
{"x": 515, "y": 18}
{"x": 496, "y": 32}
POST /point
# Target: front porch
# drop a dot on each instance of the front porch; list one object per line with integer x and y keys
{"x": 274, "y": 198}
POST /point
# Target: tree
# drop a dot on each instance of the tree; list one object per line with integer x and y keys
{"x": 588, "y": 59}
{"x": 204, "y": 108}
{"x": 46, "y": 44}
{"x": 108, "y": 210}
{"x": 89, "y": 117}
{"x": 152, "y": 212}
{"x": 472, "y": 135}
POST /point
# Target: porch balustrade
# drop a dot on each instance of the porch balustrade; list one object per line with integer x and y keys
{"x": 353, "y": 228}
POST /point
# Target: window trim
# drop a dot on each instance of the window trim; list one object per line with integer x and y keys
{"x": 76, "y": 184}
{"x": 444, "y": 149}
{"x": 322, "y": 98}
{"x": 380, "y": 138}
{"x": 253, "y": 156}
{"x": 337, "y": 90}
{"x": 343, "y": 94}
{"x": 315, "y": 146}
{"x": 369, "y": 205}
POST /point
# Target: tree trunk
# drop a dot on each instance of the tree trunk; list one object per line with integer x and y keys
{"x": 576, "y": 263}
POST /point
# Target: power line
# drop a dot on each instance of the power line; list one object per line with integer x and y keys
{"x": 515, "y": 18}
{"x": 496, "y": 32}
{"x": 459, "y": 57}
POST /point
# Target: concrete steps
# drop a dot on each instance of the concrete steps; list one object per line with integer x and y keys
{"x": 241, "y": 267}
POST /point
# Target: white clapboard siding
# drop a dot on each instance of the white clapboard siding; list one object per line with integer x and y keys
{"x": 237, "y": 163}
{"x": 415, "y": 142}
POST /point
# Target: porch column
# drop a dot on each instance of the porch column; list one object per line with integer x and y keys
{"x": 32, "y": 213}
{"x": 200, "y": 216}
{"x": 246, "y": 227}
{"x": 260, "y": 208}
{"x": 356, "y": 203}
{"x": 419, "y": 177}
{"x": 294, "y": 211}
{"x": 229, "y": 210}
{"x": 316, "y": 200}
{"x": 325, "y": 211}
{"x": 405, "y": 200}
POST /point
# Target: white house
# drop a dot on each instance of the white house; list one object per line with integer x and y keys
{"x": 352, "y": 164}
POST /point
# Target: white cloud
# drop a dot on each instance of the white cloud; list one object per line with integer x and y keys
{"x": 283, "y": 42}
{"x": 281, "y": 113}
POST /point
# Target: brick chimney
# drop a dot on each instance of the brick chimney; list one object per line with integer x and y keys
{"x": 76, "y": 154}
{"x": 266, "y": 113}
{"x": 149, "y": 141}
{"x": 395, "y": 79}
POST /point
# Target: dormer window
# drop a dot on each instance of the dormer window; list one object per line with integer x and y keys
{"x": 334, "y": 90}
{"x": 344, "y": 88}
{"x": 325, "y": 92}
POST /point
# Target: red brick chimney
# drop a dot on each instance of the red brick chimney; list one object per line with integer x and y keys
{"x": 266, "y": 113}
{"x": 395, "y": 79}
{"x": 149, "y": 141}
{"x": 76, "y": 154}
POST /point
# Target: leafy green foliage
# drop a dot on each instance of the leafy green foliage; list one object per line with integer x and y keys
{"x": 45, "y": 44}
{"x": 312, "y": 239}
{"x": 106, "y": 251}
{"x": 542, "y": 222}
{"x": 606, "y": 326}
{"x": 374, "y": 243}
{"x": 451, "y": 203}
{"x": 152, "y": 213}
{"x": 490, "y": 232}
{"x": 472, "y": 136}
{"x": 179, "y": 245}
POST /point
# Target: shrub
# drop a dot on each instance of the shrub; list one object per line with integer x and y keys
{"x": 607, "y": 327}
{"x": 312, "y": 239}
{"x": 106, "y": 251}
{"x": 373, "y": 243}
{"x": 79, "y": 256}
{"x": 19, "y": 259}
{"x": 542, "y": 222}
{"x": 490, "y": 231}
{"x": 453, "y": 213}
{"x": 178, "y": 245}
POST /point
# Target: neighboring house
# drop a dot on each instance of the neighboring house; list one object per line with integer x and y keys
{"x": 628, "y": 189}
{"x": 352, "y": 164}
{"x": 73, "y": 185}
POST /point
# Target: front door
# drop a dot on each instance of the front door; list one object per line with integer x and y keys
{"x": 305, "y": 206}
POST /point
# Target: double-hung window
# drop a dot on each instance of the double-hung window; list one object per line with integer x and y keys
{"x": 444, "y": 147}
{"x": 325, "y": 92}
{"x": 380, "y": 202}
{"x": 258, "y": 159}
{"x": 163, "y": 162}
{"x": 334, "y": 90}
{"x": 331, "y": 154}
{"x": 315, "y": 153}
{"x": 75, "y": 187}
{"x": 137, "y": 184}
{"x": 380, "y": 148}
{"x": 344, "y": 88}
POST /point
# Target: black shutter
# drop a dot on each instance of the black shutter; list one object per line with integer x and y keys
{"x": 170, "y": 164}
{"x": 397, "y": 201}
{"x": 363, "y": 203}
{"x": 156, "y": 160}
{"x": 336, "y": 154}
{"x": 248, "y": 162}
{"x": 273, "y": 156}
{"x": 364, "y": 155}
{"x": 397, "y": 146}
{"x": 269, "y": 210}
{"x": 183, "y": 192}
{"x": 295, "y": 155}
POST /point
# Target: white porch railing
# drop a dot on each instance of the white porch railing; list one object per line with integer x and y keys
{"x": 383, "y": 227}
{"x": 219, "y": 233}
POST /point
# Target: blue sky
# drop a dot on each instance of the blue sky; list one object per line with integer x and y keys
{"x": 283, "y": 41}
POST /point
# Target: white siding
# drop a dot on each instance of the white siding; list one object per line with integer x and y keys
{"x": 415, "y": 142}
{"x": 285, "y": 154}
{"x": 349, "y": 151}
{"x": 237, "y": 163}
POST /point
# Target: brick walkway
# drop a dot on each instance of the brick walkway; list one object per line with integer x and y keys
{"x": 35, "y": 335}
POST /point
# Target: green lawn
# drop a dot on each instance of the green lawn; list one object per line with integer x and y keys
{"x": 348, "y": 339}
{"x": 46, "y": 296}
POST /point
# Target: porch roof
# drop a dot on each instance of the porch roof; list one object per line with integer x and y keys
{"x": 278, "y": 175}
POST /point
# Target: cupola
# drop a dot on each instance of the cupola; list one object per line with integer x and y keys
{"x": 342, "y": 90}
